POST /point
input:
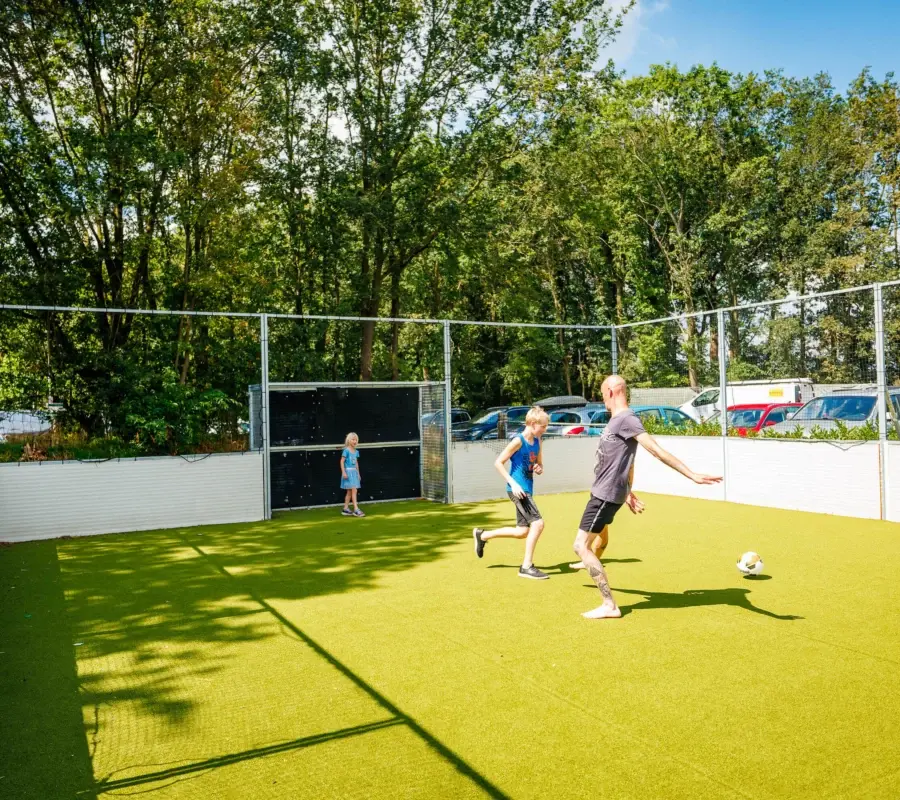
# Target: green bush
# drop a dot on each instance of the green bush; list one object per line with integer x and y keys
{"x": 840, "y": 432}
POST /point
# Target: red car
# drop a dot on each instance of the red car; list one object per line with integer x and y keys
{"x": 756, "y": 416}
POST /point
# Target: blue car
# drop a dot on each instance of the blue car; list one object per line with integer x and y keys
{"x": 485, "y": 426}
{"x": 665, "y": 415}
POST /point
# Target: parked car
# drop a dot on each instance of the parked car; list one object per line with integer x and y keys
{"x": 577, "y": 422}
{"x": 667, "y": 415}
{"x": 458, "y": 416}
{"x": 756, "y": 416}
{"x": 485, "y": 426}
{"x": 788, "y": 390}
{"x": 561, "y": 402}
{"x": 853, "y": 408}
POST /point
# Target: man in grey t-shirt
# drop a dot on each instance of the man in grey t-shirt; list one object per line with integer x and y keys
{"x": 613, "y": 476}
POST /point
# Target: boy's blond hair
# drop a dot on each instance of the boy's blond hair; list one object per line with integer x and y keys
{"x": 537, "y": 416}
{"x": 350, "y": 436}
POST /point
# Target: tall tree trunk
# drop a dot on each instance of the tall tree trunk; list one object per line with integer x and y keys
{"x": 395, "y": 332}
{"x": 691, "y": 348}
{"x": 567, "y": 373}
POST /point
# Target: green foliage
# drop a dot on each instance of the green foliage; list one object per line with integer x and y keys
{"x": 455, "y": 160}
{"x": 172, "y": 417}
{"x": 839, "y": 432}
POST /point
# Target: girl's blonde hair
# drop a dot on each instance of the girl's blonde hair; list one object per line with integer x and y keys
{"x": 537, "y": 416}
{"x": 350, "y": 436}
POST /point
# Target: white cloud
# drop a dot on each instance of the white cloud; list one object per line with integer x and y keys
{"x": 634, "y": 28}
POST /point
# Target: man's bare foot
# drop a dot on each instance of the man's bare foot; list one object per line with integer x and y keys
{"x": 577, "y": 565}
{"x": 603, "y": 612}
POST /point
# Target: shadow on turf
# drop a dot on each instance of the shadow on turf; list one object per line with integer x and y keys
{"x": 43, "y": 749}
{"x": 152, "y": 601}
{"x": 564, "y": 566}
{"x": 697, "y": 597}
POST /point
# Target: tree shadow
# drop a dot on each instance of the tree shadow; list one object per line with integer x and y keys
{"x": 143, "y": 609}
{"x": 564, "y": 566}
{"x": 43, "y": 749}
{"x": 697, "y": 597}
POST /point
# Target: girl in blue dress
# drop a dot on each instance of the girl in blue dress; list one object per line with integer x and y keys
{"x": 350, "y": 475}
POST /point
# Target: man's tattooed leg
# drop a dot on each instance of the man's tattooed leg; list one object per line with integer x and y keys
{"x": 598, "y": 574}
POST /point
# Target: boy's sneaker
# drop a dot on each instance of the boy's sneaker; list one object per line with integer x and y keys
{"x": 358, "y": 513}
{"x": 479, "y": 542}
{"x": 346, "y": 512}
{"x": 533, "y": 572}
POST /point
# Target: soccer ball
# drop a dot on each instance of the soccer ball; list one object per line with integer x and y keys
{"x": 750, "y": 563}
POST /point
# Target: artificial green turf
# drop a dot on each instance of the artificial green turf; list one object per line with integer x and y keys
{"x": 322, "y": 656}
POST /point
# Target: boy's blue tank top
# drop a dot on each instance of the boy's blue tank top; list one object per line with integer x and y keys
{"x": 522, "y": 464}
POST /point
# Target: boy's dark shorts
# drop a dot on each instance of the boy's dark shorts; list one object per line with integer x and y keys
{"x": 598, "y": 514}
{"x": 526, "y": 511}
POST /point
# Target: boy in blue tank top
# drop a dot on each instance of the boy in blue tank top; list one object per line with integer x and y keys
{"x": 524, "y": 456}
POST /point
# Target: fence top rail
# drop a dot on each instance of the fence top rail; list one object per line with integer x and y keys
{"x": 308, "y": 386}
{"x": 167, "y": 312}
{"x": 150, "y": 312}
{"x": 760, "y": 304}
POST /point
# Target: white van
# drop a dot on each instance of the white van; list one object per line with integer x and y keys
{"x": 788, "y": 390}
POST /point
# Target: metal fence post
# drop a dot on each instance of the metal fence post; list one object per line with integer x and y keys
{"x": 448, "y": 418}
{"x": 723, "y": 398}
{"x": 264, "y": 415}
{"x": 615, "y": 350}
{"x": 881, "y": 380}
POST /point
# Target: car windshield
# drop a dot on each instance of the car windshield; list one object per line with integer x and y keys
{"x": 852, "y": 408}
{"x": 744, "y": 418}
{"x": 489, "y": 416}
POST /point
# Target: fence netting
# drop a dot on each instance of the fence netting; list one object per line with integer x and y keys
{"x": 672, "y": 370}
{"x": 85, "y": 385}
{"x": 813, "y": 360}
{"x": 499, "y": 372}
{"x": 312, "y": 350}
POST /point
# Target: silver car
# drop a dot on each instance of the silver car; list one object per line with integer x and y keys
{"x": 852, "y": 408}
{"x": 577, "y": 422}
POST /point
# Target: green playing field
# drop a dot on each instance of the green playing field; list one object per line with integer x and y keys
{"x": 318, "y": 656}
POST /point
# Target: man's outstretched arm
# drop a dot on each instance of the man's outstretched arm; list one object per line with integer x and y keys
{"x": 657, "y": 451}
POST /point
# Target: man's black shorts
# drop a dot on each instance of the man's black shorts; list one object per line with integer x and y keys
{"x": 598, "y": 514}
{"x": 526, "y": 511}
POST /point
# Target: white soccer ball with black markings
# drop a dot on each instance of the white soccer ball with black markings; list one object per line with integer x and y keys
{"x": 750, "y": 563}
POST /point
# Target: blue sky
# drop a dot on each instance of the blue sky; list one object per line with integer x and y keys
{"x": 802, "y": 37}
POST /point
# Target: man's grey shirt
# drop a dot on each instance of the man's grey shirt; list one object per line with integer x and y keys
{"x": 615, "y": 455}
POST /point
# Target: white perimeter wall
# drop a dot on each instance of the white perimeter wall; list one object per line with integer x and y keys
{"x": 44, "y": 500}
{"x": 568, "y": 461}
{"x": 824, "y": 477}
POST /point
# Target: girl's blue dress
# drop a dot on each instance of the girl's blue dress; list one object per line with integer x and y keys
{"x": 351, "y": 468}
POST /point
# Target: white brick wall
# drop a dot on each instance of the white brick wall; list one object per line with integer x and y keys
{"x": 893, "y": 473}
{"x": 568, "y": 464}
{"x": 826, "y": 477}
{"x": 823, "y": 477}
{"x": 700, "y": 453}
{"x": 47, "y": 499}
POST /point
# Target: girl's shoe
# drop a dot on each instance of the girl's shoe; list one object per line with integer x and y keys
{"x": 358, "y": 513}
{"x": 346, "y": 512}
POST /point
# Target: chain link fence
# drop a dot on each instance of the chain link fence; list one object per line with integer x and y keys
{"x": 86, "y": 385}
{"x": 93, "y": 384}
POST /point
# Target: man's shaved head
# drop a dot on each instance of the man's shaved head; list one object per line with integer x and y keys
{"x": 614, "y": 384}
{"x": 612, "y": 390}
